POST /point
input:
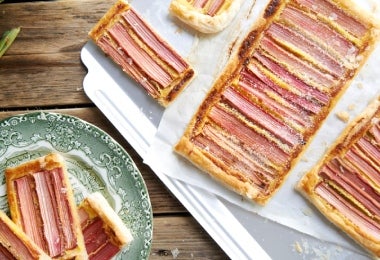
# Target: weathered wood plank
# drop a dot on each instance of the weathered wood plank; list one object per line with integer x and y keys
{"x": 52, "y": 26}
{"x": 45, "y": 58}
{"x": 181, "y": 237}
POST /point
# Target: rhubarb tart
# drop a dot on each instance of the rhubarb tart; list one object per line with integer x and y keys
{"x": 274, "y": 94}
{"x": 142, "y": 53}
{"x": 41, "y": 202}
{"x": 105, "y": 234}
{"x": 345, "y": 184}
{"x": 206, "y": 16}
{"x": 15, "y": 244}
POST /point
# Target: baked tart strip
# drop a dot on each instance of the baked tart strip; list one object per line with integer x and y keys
{"x": 15, "y": 244}
{"x": 345, "y": 185}
{"x": 273, "y": 96}
{"x": 146, "y": 57}
{"x": 104, "y": 232}
{"x": 41, "y": 203}
{"x": 206, "y": 16}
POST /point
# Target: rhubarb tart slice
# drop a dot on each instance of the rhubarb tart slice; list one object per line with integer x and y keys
{"x": 105, "y": 234}
{"x": 41, "y": 202}
{"x": 345, "y": 184}
{"x": 206, "y": 16}
{"x": 144, "y": 55}
{"x": 274, "y": 94}
{"x": 15, "y": 244}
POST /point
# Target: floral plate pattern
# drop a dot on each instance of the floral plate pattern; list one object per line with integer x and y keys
{"x": 95, "y": 162}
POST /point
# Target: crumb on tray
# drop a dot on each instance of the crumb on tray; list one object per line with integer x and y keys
{"x": 298, "y": 247}
{"x": 344, "y": 116}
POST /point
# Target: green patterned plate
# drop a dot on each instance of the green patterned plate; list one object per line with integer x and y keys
{"x": 95, "y": 162}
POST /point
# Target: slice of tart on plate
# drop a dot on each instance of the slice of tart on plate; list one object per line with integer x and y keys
{"x": 41, "y": 203}
{"x": 104, "y": 232}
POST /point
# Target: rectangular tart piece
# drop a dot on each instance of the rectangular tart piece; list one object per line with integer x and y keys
{"x": 41, "y": 202}
{"x": 207, "y": 16}
{"x": 15, "y": 244}
{"x": 143, "y": 54}
{"x": 104, "y": 232}
{"x": 345, "y": 184}
{"x": 264, "y": 109}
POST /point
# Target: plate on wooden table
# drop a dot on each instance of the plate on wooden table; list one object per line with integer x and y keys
{"x": 95, "y": 162}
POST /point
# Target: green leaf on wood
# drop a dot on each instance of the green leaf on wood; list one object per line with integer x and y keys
{"x": 7, "y": 39}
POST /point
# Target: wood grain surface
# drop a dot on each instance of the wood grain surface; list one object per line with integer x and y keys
{"x": 42, "y": 71}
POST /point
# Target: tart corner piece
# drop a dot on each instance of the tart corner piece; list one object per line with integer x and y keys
{"x": 41, "y": 202}
{"x": 135, "y": 46}
{"x": 105, "y": 234}
{"x": 264, "y": 110}
{"x": 345, "y": 184}
{"x": 206, "y": 16}
{"x": 15, "y": 244}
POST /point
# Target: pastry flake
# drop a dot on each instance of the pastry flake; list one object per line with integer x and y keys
{"x": 272, "y": 97}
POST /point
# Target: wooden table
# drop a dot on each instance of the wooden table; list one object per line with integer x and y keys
{"x": 42, "y": 71}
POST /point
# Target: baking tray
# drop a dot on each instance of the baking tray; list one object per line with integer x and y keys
{"x": 240, "y": 233}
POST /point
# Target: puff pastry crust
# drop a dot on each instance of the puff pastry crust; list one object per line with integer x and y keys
{"x": 142, "y": 53}
{"x": 209, "y": 16}
{"x": 266, "y": 106}
{"x": 345, "y": 184}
